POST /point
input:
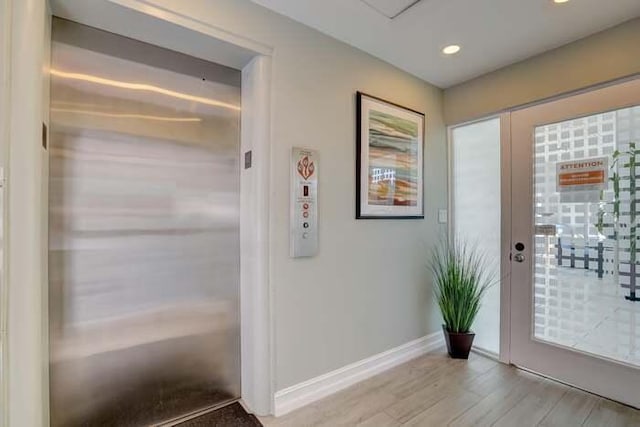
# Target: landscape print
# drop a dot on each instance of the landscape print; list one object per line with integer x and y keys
{"x": 393, "y": 160}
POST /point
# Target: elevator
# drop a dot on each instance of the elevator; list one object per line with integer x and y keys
{"x": 144, "y": 250}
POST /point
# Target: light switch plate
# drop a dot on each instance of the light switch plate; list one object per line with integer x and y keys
{"x": 443, "y": 216}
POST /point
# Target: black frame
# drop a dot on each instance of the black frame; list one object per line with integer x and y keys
{"x": 359, "y": 215}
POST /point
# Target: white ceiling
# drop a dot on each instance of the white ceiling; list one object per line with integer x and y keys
{"x": 391, "y": 8}
{"x": 492, "y": 33}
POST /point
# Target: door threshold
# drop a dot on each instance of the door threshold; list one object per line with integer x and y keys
{"x": 196, "y": 414}
{"x": 572, "y": 386}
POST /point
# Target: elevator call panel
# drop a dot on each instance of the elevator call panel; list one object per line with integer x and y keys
{"x": 304, "y": 203}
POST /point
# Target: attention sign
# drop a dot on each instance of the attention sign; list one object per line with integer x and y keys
{"x": 583, "y": 179}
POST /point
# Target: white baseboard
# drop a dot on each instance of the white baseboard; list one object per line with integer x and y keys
{"x": 486, "y": 353}
{"x": 298, "y": 395}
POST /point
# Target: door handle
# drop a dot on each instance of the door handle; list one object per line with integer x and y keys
{"x": 518, "y": 257}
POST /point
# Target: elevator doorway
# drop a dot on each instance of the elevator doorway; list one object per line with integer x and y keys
{"x": 144, "y": 214}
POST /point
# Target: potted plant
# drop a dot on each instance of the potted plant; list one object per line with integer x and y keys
{"x": 461, "y": 278}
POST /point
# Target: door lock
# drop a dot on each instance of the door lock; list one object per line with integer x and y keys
{"x": 518, "y": 257}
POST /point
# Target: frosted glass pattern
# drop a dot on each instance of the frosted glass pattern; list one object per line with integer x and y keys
{"x": 585, "y": 276}
{"x": 476, "y": 212}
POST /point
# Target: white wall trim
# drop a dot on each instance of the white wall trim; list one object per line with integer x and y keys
{"x": 309, "y": 391}
{"x": 5, "y": 102}
{"x": 486, "y": 353}
{"x": 257, "y": 349}
{"x": 142, "y": 20}
{"x": 148, "y": 8}
{"x": 25, "y": 239}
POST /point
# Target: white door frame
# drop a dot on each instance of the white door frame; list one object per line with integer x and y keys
{"x": 5, "y": 102}
{"x": 591, "y": 373}
{"x": 24, "y": 306}
{"x": 27, "y": 327}
{"x": 505, "y": 240}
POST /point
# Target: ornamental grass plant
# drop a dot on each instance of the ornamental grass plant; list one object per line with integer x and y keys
{"x": 461, "y": 277}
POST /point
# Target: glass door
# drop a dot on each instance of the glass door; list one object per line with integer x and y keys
{"x": 475, "y": 187}
{"x": 575, "y": 282}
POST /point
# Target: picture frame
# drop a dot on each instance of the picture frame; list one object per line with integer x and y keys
{"x": 389, "y": 160}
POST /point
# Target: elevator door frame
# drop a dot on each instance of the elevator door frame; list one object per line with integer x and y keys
{"x": 139, "y": 20}
{"x": 256, "y": 365}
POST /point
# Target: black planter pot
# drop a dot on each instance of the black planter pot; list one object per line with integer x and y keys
{"x": 458, "y": 345}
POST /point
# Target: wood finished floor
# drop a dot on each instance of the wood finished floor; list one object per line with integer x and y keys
{"x": 434, "y": 390}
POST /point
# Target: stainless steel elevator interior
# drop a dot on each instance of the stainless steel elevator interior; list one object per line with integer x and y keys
{"x": 144, "y": 247}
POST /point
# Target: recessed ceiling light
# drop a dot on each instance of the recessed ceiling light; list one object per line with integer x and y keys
{"x": 560, "y": 1}
{"x": 451, "y": 49}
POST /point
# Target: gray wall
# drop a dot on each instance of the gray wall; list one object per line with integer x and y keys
{"x": 605, "y": 56}
{"x": 367, "y": 290}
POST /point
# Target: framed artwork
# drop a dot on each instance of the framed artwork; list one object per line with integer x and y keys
{"x": 389, "y": 160}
